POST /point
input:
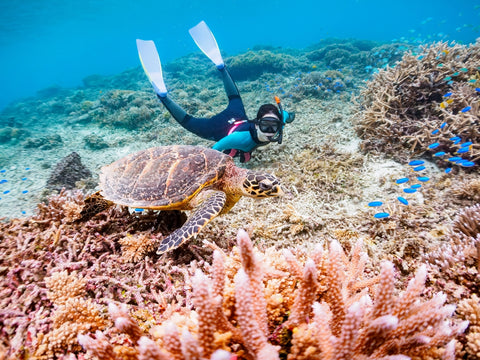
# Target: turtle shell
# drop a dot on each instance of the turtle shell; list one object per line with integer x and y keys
{"x": 164, "y": 177}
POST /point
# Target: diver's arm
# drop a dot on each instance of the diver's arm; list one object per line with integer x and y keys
{"x": 238, "y": 140}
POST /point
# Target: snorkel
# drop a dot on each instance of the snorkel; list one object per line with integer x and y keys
{"x": 279, "y": 136}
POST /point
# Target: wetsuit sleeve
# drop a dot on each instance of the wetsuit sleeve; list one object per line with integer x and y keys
{"x": 238, "y": 140}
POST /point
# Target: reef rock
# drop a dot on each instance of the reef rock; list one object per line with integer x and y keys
{"x": 67, "y": 172}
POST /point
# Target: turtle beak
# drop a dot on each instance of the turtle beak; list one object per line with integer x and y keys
{"x": 278, "y": 191}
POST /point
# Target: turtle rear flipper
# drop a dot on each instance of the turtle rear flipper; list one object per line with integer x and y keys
{"x": 204, "y": 213}
{"x": 94, "y": 204}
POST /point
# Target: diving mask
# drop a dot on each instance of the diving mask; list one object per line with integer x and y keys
{"x": 269, "y": 124}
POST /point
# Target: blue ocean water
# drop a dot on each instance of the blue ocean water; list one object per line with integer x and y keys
{"x": 59, "y": 42}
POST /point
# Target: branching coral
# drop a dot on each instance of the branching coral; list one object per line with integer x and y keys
{"x": 331, "y": 316}
{"x": 56, "y": 241}
{"x": 427, "y": 97}
{"x": 73, "y": 314}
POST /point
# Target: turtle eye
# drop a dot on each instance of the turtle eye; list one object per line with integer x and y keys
{"x": 265, "y": 185}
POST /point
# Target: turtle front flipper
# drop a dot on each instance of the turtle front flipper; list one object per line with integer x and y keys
{"x": 207, "y": 210}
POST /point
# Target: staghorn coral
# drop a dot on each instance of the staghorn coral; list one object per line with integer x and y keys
{"x": 339, "y": 320}
{"x": 56, "y": 240}
{"x": 407, "y": 102}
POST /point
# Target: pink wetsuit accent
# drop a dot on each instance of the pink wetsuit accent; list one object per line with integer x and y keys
{"x": 236, "y": 124}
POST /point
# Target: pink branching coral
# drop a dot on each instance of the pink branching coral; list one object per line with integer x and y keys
{"x": 330, "y": 316}
{"x": 35, "y": 251}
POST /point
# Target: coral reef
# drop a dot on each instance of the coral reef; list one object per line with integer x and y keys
{"x": 44, "y": 143}
{"x": 254, "y": 304}
{"x": 95, "y": 142}
{"x": 321, "y": 310}
{"x": 11, "y": 133}
{"x": 252, "y": 64}
{"x": 135, "y": 304}
{"x": 428, "y": 97}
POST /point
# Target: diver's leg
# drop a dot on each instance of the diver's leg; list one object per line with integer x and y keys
{"x": 230, "y": 87}
{"x": 173, "y": 108}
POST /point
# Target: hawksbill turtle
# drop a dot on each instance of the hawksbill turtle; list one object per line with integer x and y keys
{"x": 183, "y": 177}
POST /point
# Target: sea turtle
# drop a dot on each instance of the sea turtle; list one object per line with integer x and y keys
{"x": 183, "y": 177}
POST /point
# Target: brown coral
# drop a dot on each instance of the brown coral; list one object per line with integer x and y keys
{"x": 407, "y": 102}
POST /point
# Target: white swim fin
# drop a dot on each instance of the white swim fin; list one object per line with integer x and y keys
{"x": 151, "y": 65}
{"x": 205, "y": 40}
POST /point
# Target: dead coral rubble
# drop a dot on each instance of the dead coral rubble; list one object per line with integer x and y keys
{"x": 331, "y": 314}
{"x": 434, "y": 89}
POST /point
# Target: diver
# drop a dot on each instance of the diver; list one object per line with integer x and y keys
{"x": 233, "y": 132}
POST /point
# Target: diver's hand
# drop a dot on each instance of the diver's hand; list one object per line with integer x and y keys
{"x": 244, "y": 156}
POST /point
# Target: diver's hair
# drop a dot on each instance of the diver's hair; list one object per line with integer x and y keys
{"x": 268, "y": 109}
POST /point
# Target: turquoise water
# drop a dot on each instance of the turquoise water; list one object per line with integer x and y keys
{"x": 45, "y": 43}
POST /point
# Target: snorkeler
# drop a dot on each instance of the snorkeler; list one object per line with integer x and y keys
{"x": 233, "y": 132}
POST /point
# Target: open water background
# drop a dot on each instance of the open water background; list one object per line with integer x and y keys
{"x": 47, "y": 43}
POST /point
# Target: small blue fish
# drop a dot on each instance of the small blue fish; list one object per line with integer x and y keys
{"x": 416, "y": 162}
{"x": 409, "y": 190}
{"x": 454, "y": 158}
{"x": 447, "y": 78}
{"x": 440, "y": 153}
{"x": 24, "y": 191}
{"x": 3, "y": 181}
{"x": 416, "y": 186}
{"x": 465, "y": 109}
{"x": 423, "y": 178}
{"x": 401, "y": 181}
{"x": 138, "y": 210}
{"x": 477, "y": 89}
{"x": 448, "y": 94}
{"x": 436, "y": 131}
{"x": 419, "y": 168}
{"x": 27, "y": 168}
{"x": 443, "y": 125}
{"x": 402, "y": 200}
{"x": 447, "y": 170}
{"x": 381, "y": 215}
{"x": 468, "y": 143}
{"x": 467, "y": 163}
{"x": 455, "y": 138}
{"x": 463, "y": 150}
{"x": 24, "y": 178}
{"x": 2, "y": 171}
{"x": 375, "y": 203}
{"x": 6, "y": 191}
{"x": 24, "y": 212}
{"x": 434, "y": 145}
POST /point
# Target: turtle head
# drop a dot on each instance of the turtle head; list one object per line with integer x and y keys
{"x": 260, "y": 185}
